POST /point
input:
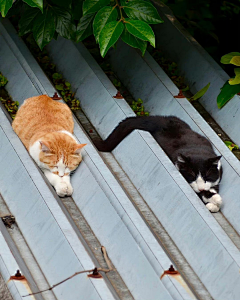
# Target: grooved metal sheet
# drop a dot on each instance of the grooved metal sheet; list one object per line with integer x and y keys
{"x": 201, "y": 240}
{"x": 8, "y": 267}
{"x": 42, "y": 223}
{"x": 49, "y": 235}
{"x": 130, "y": 244}
{"x": 152, "y": 85}
{"x": 198, "y": 68}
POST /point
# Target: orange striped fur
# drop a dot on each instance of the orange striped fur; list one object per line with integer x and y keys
{"x": 39, "y": 123}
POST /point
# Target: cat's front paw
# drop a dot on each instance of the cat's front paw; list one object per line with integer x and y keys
{"x": 63, "y": 189}
{"x": 216, "y": 199}
{"x": 212, "y": 207}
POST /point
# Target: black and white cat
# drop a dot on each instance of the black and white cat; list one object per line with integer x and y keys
{"x": 191, "y": 153}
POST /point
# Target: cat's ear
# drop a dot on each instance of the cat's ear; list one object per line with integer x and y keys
{"x": 44, "y": 147}
{"x": 79, "y": 148}
{"x": 182, "y": 158}
{"x": 214, "y": 160}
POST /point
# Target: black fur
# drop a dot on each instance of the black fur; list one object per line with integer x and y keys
{"x": 189, "y": 151}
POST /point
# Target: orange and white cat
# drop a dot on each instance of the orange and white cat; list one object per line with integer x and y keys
{"x": 45, "y": 127}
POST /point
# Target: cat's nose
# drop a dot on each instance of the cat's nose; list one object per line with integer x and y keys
{"x": 200, "y": 190}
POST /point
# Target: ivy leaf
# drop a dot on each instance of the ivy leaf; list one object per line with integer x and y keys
{"x": 235, "y": 60}
{"x": 35, "y": 3}
{"x": 235, "y": 80}
{"x": 64, "y": 25}
{"x": 226, "y": 59}
{"x": 44, "y": 28}
{"x": 5, "y": 5}
{"x": 92, "y": 6}
{"x": 109, "y": 36}
{"x": 104, "y": 16}
{"x": 140, "y": 30}
{"x": 227, "y": 92}
{"x": 84, "y": 28}
{"x": 142, "y": 10}
{"x": 134, "y": 42}
{"x": 200, "y": 93}
{"x": 27, "y": 20}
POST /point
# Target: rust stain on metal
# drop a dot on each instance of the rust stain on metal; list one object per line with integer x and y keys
{"x": 19, "y": 277}
{"x": 118, "y": 96}
{"x": 176, "y": 275}
{"x": 56, "y": 97}
{"x": 95, "y": 274}
{"x": 171, "y": 271}
{"x": 180, "y": 95}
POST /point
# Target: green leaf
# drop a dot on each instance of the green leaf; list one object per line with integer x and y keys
{"x": 142, "y": 10}
{"x": 5, "y": 5}
{"x": 227, "y": 92}
{"x": 235, "y": 60}
{"x": 200, "y": 93}
{"x": 64, "y": 25}
{"x": 236, "y": 80}
{"x": 35, "y": 3}
{"x": 16, "y": 9}
{"x": 27, "y": 20}
{"x": 134, "y": 42}
{"x": 57, "y": 76}
{"x": 231, "y": 145}
{"x": 140, "y": 30}
{"x": 104, "y": 16}
{"x": 84, "y": 28}
{"x": 226, "y": 59}
{"x": 44, "y": 28}
{"x": 59, "y": 87}
{"x": 92, "y": 6}
{"x": 109, "y": 36}
{"x": 186, "y": 89}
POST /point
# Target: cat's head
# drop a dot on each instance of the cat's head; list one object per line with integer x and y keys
{"x": 60, "y": 153}
{"x": 201, "y": 173}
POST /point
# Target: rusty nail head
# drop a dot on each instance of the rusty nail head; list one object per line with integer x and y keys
{"x": 56, "y": 97}
{"x": 180, "y": 95}
{"x": 118, "y": 96}
{"x": 95, "y": 274}
{"x": 18, "y": 274}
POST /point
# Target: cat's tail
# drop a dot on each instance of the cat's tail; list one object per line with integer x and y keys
{"x": 123, "y": 129}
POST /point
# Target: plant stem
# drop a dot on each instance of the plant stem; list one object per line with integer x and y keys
{"x": 120, "y": 9}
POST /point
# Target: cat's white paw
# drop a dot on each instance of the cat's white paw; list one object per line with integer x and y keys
{"x": 216, "y": 199}
{"x": 64, "y": 189}
{"x": 212, "y": 207}
{"x": 70, "y": 190}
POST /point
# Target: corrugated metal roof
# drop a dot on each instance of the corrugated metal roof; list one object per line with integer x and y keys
{"x": 124, "y": 224}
